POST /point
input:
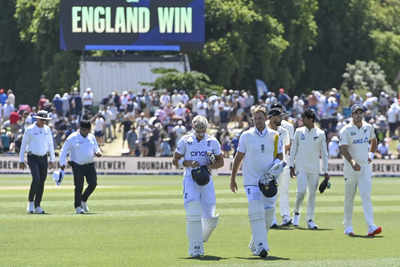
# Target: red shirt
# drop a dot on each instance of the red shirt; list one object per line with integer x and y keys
{"x": 42, "y": 102}
{"x": 14, "y": 117}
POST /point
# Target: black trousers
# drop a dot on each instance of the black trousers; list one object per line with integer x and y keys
{"x": 38, "y": 166}
{"x": 80, "y": 172}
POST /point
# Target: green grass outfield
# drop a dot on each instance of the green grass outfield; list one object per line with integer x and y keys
{"x": 139, "y": 221}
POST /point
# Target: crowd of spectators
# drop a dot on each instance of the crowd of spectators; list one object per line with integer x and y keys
{"x": 152, "y": 121}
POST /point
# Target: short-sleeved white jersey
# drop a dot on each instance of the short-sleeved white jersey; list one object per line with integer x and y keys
{"x": 192, "y": 149}
{"x": 307, "y": 148}
{"x": 357, "y": 140}
{"x": 260, "y": 149}
{"x": 289, "y": 127}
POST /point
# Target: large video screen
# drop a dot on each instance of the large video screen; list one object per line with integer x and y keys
{"x": 154, "y": 25}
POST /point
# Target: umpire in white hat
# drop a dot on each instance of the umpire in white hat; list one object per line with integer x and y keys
{"x": 82, "y": 148}
{"x": 38, "y": 142}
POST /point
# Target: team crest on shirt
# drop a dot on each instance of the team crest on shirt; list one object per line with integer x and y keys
{"x": 262, "y": 148}
{"x": 353, "y": 133}
{"x": 365, "y": 130}
{"x": 302, "y": 137}
{"x": 189, "y": 140}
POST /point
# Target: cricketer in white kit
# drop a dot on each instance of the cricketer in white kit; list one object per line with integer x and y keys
{"x": 284, "y": 178}
{"x": 309, "y": 145}
{"x": 193, "y": 150}
{"x": 286, "y": 132}
{"x": 258, "y": 148}
{"x": 357, "y": 145}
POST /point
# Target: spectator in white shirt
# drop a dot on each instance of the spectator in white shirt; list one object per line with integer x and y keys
{"x": 179, "y": 131}
{"x": 180, "y": 110}
{"x": 165, "y": 99}
{"x": 107, "y": 114}
{"x": 7, "y": 109}
{"x": 11, "y": 96}
{"x": 392, "y": 117}
{"x": 176, "y": 98}
{"x": 99, "y": 124}
{"x": 333, "y": 148}
{"x": 383, "y": 150}
{"x": 87, "y": 100}
{"x": 202, "y": 108}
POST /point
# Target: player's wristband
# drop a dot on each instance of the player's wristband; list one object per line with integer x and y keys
{"x": 371, "y": 155}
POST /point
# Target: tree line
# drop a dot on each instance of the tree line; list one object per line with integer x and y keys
{"x": 299, "y": 45}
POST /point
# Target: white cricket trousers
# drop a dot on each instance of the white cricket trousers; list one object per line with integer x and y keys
{"x": 204, "y": 194}
{"x": 283, "y": 189}
{"x": 363, "y": 180}
{"x": 304, "y": 180}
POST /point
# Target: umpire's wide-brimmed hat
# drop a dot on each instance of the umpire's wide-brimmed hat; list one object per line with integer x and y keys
{"x": 42, "y": 115}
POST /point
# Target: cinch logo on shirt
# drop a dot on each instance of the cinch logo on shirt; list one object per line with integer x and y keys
{"x": 198, "y": 153}
{"x": 360, "y": 141}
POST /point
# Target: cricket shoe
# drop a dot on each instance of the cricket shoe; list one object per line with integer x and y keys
{"x": 349, "y": 231}
{"x": 286, "y": 221}
{"x": 84, "y": 206}
{"x": 39, "y": 210}
{"x": 274, "y": 226}
{"x": 296, "y": 219}
{"x": 79, "y": 210}
{"x": 31, "y": 207}
{"x": 263, "y": 253}
{"x": 374, "y": 230}
{"x": 311, "y": 225}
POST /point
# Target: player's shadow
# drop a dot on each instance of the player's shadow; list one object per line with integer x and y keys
{"x": 366, "y": 236}
{"x": 284, "y": 228}
{"x": 268, "y": 258}
{"x": 319, "y": 229}
{"x": 90, "y": 213}
{"x": 206, "y": 258}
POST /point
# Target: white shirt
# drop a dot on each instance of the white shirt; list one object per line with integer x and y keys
{"x": 87, "y": 99}
{"x": 192, "y": 149}
{"x": 99, "y": 124}
{"x": 179, "y": 130}
{"x": 289, "y": 127}
{"x": 179, "y": 111}
{"x": 357, "y": 140}
{"x": 383, "y": 149}
{"x": 284, "y": 136}
{"x": 334, "y": 150}
{"x": 259, "y": 150}
{"x": 202, "y": 109}
{"x": 176, "y": 99}
{"x": 80, "y": 149}
{"x": 392, "y": 114}
{"x": 114, "y": 112}
{"x": 37, "y": 141}
{"x": 11, "y": 99}
{"x": 165, "y": 100}
{"x": 307, "y": 148}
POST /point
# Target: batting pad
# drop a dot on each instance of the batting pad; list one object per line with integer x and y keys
{"x": 194, "y": 228}
{"x": 209, "y": 224}
{"x": 258, "y": 227}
